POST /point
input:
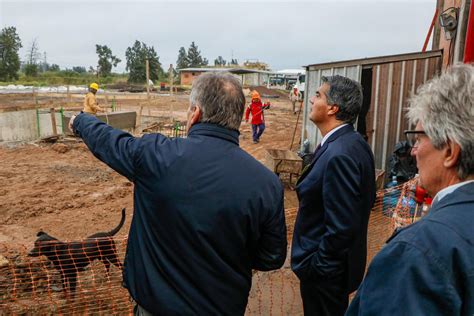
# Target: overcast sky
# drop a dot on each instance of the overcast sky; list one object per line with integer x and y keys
{"x": 284, "y": 34}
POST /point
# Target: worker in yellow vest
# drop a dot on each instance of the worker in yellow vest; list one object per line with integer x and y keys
{"x": 90, "y": 102}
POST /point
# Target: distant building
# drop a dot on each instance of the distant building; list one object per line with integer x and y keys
{"x": 248, "y": 77}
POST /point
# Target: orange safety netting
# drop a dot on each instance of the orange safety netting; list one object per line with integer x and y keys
{"x": 34, "y": 285}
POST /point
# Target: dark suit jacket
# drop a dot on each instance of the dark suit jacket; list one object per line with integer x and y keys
{"x": 426, "y": 268}
{"x": 336, "y": 193}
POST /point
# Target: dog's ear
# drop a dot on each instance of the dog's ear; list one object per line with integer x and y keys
{"x": 40, "y": 233}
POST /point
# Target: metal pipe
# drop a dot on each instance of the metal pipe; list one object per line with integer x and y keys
{"x": 62, "y": 119}
{"x": 430, "y": 31}
{"x": 469, "y": 45}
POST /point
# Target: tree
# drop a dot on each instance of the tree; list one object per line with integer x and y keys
{"x": 194, "y": 57}
{"x": 106, "y": 60}
{"x": 10, "y": 43}
{"x": 182, "y": 61}
{"x": 32, "y": 57}
{"x": 219, "y": 61}
{"x": 54, "y": 67}
{"x": 136, "y": 61}
{"x": 79, "y": 69}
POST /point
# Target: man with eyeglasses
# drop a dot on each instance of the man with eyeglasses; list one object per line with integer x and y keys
{"x": 427, "y": 268}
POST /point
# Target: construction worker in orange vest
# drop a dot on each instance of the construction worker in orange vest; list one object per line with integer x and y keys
{"x": 256, "y": 107}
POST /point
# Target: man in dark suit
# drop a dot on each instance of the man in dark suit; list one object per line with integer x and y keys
{"x": 427, "y": 268}
{"x": 336, "y": 193}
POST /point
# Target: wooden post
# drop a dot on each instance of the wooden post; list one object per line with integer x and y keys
{"x": 34, "y": 95}
{"x": 53, "y": 121}
{"x": 171, "y": 78}
{"x": 68, "y": 95}
{"x": 148, "y": 84}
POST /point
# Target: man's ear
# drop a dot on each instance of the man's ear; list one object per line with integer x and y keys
{"x": 334, "y": 109}
{"x": 195, "y": 115}
{"x": 452, "y": 154}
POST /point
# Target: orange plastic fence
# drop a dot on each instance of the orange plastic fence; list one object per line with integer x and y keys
{"x": 33, "y": 285}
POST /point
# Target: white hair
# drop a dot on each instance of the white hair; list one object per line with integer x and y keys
{"x": 221, "y": 99}
{"x": 445, "y": 108}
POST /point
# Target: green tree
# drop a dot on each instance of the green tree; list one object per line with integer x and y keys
{"x": 219, "y": 61}
{"x": 10, "y": 43}
{"x": 136, "y": 62}
{"x": 79, "y": 69}
{"x": 194, "y": 57}
{"x": 182, "y": 61}
{"x": 54, "y": 67}
{"x": 106, "y": 60}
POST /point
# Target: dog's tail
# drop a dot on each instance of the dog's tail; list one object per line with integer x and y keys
{"x": 116, "y": 229}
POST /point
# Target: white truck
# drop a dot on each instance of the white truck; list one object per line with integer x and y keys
{"x": 300, "y": 83}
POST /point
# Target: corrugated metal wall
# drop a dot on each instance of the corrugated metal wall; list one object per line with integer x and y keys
{"x": 392, "y": 85}
{"x": 394, "y": 79}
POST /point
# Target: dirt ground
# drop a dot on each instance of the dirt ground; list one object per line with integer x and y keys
{"x": 65, "y": 191}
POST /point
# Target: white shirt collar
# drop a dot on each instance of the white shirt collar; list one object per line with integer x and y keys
{"x": 450, "y": 189}
{"x": 331, "y": 132}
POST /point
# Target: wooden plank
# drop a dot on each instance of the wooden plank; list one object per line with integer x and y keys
{"x": 407, "y": 91}
{"x": 400, "y": 102}
{"x": 395, "y": 109}
{"x": 53, "y": 121}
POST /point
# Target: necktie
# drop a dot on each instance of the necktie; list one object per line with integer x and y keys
{"x": 317, "y": 149}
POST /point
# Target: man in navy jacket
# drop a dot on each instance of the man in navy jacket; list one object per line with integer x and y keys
{"x": 206, "y": 212}
{"x": 336, "y": 193}
{"x": 427, "y": 268}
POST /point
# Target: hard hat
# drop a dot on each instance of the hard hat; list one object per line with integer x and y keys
{"x": 255, "y": 95}
{"x": 94, "y": 86}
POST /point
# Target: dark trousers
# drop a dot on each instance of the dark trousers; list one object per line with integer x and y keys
{"x": 323, "y": 298}
{"x": 257, "y": 131}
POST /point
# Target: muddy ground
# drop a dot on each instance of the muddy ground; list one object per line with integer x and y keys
{"x": 64, "y": 190}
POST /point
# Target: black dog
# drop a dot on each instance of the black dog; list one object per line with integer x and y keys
{"x": 71, "y": 257}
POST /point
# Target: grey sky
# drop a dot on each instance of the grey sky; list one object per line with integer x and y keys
{"x": 285, "y": 34}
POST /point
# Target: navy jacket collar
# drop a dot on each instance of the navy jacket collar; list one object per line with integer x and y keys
{"x": 214, "y": 130}
{"x": 463, "y": 194}
{"x": 343, "y": 130}
{"x": 346, "y": 129}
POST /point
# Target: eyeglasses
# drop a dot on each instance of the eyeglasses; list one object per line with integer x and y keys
{"x": 413, "y": 137}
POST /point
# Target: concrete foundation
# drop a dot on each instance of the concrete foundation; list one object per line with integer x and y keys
{"x": 30, "y": 125}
